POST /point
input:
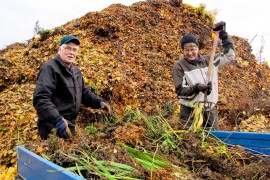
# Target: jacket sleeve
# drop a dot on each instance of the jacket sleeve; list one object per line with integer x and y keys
{"x": 182, "y": 88}
{"x": 42, "y": 99}
{"x": 228, "y": 52}
{"x": 89, "y": 98}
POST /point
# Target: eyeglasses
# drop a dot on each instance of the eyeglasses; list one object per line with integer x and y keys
{"x": 69, "y": 48}
{"x": 193, "y": 50}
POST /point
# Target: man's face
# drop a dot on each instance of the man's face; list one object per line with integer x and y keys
{"x": 191, "y": 52}
{"x": 68, "y": 53}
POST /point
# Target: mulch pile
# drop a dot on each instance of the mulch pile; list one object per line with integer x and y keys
{"x": 126, "y": 56}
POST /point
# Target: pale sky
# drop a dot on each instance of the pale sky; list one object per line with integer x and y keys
{"x": 18, "y": 17}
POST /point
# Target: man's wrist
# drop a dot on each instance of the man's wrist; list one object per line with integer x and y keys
{"x": 102, "y": 105}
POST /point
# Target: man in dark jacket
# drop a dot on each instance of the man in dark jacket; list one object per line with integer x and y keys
{"x": 190, "y": 76}
{"x": 60, "y": 90}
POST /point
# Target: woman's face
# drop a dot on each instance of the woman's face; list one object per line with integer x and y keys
{"x": 191, "y": 52}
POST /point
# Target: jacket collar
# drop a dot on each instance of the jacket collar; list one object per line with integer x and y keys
{"x": 64, "y": 66}
{"x": 198, "y": 60}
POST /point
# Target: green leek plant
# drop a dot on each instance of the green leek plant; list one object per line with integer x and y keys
{"x": 105, "y": 169}
{"x": 148, "y": 160}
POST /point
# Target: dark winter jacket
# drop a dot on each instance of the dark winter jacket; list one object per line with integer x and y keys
{"x": 187, "y": 73}
{"x": 61, "y": 90}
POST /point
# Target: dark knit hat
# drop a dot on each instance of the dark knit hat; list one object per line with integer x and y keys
{"x": 67, "y": 39}
{"x": 189, "y": 38}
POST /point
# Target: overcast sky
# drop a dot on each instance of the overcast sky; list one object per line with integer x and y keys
{"x": 244, "y": 18}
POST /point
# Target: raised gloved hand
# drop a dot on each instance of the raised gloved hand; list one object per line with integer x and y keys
{"x": 221, "y": 28}
{"x": 203, "y": 87}
{"x": 106, "y": 106}
{"x": 62, "y": 129}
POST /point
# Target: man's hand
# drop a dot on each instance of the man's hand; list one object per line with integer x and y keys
{"x": 209, "y": 87}
{"x": 106, "y": 106}
{"x": 204, "y": 87}
{"x": 62, "y": 128}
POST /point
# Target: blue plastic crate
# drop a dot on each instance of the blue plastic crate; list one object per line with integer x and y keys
{"x": 33, "y": 167}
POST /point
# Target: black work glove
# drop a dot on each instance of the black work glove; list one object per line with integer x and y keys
{"x": 221, "y": 28}
{"x": 62, "y": 129}
{"x": 203, "y": 87}
{"x": 104, "y": 105}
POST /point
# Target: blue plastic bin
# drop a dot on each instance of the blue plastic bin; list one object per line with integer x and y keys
{"x": 33, "y": 167}
{"x": 256, "y": 142}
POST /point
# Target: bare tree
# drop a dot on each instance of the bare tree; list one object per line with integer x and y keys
{"x": 259, "y": 57}
{"x": 37, "y": 29}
